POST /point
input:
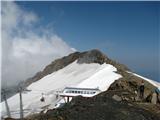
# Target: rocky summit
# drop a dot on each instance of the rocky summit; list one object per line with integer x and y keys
{"x": 92, "y": 56}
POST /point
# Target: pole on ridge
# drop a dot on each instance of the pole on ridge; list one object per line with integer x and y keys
{"x": 6, "y": 103}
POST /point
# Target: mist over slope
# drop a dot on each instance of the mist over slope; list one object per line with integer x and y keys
{"x": 26, "y": 47}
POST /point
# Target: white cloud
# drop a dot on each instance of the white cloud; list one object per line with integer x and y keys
{"x": 24, "y": 50}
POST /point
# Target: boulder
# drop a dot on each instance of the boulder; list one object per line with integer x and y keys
{"x": 117, "y": 98}
{"x": 154, "y": 98}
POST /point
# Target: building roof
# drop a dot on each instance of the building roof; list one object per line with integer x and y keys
{"x": 97, "y": 89}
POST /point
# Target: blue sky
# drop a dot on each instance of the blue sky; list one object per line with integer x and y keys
{"x": 127, "y": 32}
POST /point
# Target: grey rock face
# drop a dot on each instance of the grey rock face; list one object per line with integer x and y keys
{"x": 154, "y": 98}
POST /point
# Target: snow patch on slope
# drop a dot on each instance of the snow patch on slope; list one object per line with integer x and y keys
{"x": 78, "y": 75}
{"x": 101, "y": 79}
{"x": 156, "y": 84}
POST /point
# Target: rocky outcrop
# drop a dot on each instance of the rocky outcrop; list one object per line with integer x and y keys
{"x": 102, "y": 107}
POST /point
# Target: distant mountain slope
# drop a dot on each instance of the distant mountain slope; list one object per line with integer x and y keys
{"x": 91, "y": 69}
{"x": 92, "y": 56}
{"x": 75, "y": 74}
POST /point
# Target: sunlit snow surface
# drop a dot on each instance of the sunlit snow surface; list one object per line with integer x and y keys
{"x": 76, "y": 75}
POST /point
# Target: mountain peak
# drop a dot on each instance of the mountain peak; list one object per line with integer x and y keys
{"x": 91, "y": 56}
{"x": 79, "y": 71}
{"x": 97, "y": 51}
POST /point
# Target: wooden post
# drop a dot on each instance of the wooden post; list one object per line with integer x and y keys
{"x": 6, "y": 104}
